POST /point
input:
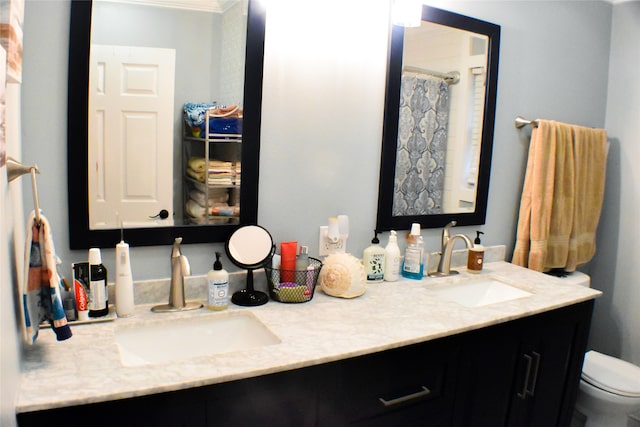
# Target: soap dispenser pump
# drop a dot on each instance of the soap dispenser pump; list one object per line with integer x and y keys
{"x": 476, "y": 255}
{"x": 373, "y": 260}
{"x": 218, "y": 286}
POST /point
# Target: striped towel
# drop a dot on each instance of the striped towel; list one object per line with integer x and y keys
{"x": 41, "y": 283}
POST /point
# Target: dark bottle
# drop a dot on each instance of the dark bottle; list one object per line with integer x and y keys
{"x": 98, "y": 300}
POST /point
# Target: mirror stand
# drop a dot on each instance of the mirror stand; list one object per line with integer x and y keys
{"x": 249, "y": 247}
{"x": 249, "y": 297}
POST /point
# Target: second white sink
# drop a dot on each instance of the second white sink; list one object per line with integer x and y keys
{"x": 479, "y": 292}
{"x": 179, "y": 339}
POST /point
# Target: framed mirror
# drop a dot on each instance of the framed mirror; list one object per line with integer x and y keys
{"x": 439, "y": 121}
{"x": 222, "y": 68}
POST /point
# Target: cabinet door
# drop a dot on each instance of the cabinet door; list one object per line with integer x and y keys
{"x": 408, "y": 386}
{"x": 173, "y": 409}
{"x": 523, "y": 373}
{"x": 487, "y": 365}
{"x": 550, "y": 355}
{"x": 286, "y": 399}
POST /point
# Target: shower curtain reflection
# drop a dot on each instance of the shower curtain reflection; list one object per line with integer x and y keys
{"x": 422, "y": 145}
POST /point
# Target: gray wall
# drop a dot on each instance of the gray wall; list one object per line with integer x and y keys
{"x": 616, "y": 270}
{"x": 12, "y": 241}
{"x": 322, "y": 125}
{"x": 322, "y": 113}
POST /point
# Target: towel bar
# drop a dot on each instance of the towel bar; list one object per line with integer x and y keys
{"x": 15, "y": 169}
{"x": 522, "y": 122}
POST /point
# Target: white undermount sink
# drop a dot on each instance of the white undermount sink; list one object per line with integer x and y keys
{"x": 179, "y": 339}
{"x": 479, "y": 292}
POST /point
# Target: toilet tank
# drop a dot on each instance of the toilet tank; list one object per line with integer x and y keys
{"x": 578, "y": 278}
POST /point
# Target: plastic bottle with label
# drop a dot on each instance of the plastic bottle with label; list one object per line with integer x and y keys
{"x": 217, "y": 286}
{"x": 475, "y": 258}
{"x": 413, "y": 265}
{"x": 373, "y": 260}
{"x": 99, "y": 299}
{"x": 392, "y": 258}
{"x": 124, "y": 281}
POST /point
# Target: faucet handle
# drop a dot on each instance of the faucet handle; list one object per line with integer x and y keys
{"x": 185, "y": 268}
{"x": 175, "y": 250}
{"x": 446, "y": 234}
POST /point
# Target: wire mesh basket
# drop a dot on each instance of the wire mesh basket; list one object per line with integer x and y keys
{"x": 293, "y": 286}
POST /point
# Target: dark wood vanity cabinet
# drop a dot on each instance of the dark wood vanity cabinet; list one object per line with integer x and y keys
{"x": 520, "y": 373}
{"x": 525, "y": 372}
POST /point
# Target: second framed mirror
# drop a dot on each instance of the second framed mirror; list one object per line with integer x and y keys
{"x": 439, "y": 119}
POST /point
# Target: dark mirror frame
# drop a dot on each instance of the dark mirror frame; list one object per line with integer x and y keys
{"x": 80, "y": 236}
{"x": 385, "y": 220}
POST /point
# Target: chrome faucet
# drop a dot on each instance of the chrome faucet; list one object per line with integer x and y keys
{"x": 444, "y": 267}
{"x": 179, "y": 269}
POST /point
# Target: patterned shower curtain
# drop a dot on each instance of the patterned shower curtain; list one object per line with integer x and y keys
{"x": 422, "y": 146}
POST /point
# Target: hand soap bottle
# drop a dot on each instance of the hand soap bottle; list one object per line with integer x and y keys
{"x": 476, "y": 255}
{"x": 392, "y": 258}
{"x": 373, "y": 261}
{"x": 413, "y": 266}
{"x": 217, "y": 286}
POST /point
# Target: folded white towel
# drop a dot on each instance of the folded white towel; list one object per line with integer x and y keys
{"x": 216, "y": 195}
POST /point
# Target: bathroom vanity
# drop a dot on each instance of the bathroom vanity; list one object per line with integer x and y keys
{"x": 398, "y": 355}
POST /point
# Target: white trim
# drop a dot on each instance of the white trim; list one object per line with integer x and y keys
{"x": 213, "y": 6}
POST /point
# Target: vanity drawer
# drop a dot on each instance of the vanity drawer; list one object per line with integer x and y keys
{"x": 402, "y": 386}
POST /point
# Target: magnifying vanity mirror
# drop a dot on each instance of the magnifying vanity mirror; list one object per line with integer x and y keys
{"x": 439, "y": 120}
{"x": 133, "y": 66}
{"x": 249, "y": 247}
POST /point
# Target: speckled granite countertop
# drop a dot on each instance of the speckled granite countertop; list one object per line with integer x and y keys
{"x": 87, "y": 368}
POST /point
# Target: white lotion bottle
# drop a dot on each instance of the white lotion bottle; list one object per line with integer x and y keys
{"x": 124, "y": 281}
{"x": 392, "y": 258}
{"x": 217, "y": 286}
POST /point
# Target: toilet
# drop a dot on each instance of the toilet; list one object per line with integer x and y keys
{"x": 609, "y": 387}
{"x": 609, "y": 390}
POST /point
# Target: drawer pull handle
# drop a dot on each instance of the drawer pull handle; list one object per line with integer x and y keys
{"x": 533, "y": 379}
{"x": 536, "y": 357}
{"x": 523, "y": 395}
{"x": 424, "y": 392}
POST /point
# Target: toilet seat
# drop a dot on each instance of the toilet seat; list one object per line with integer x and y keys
{"x": 611, "y": 374}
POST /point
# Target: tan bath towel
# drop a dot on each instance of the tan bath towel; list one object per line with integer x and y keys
{"x": 562, "y": 197}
